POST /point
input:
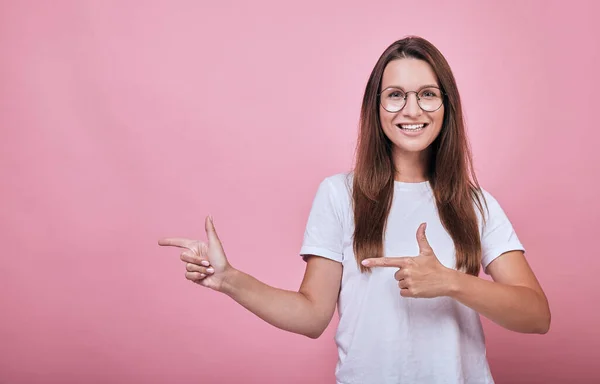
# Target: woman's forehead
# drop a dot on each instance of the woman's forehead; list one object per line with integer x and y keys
{"x": 408, "y": 74}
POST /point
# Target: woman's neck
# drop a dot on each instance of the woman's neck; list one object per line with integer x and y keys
{"x": 411, "y": 167}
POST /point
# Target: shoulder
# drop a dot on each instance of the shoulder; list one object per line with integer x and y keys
{"x": 339, "y": 184}
{"x": 488, "y": 200}
{"x": 487, "y": 195}
{"x": 334, "y": 191}
{"x": 493, "y": 213}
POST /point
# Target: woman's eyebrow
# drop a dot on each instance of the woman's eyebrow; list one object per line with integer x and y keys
{"x": 421, "y": 87}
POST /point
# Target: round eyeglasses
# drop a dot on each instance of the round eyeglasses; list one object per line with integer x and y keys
{"x": 393, "y": 99}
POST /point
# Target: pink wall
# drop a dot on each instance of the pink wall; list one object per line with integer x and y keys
{"x": 126, "y": 121}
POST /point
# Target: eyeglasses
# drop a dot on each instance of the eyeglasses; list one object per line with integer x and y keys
{"x": 393, "y": 99}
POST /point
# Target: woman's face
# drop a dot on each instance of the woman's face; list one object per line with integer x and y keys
{"x": 411, "y": 129}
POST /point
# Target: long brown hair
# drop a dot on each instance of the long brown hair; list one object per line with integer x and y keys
{"x": 450, "y": 172}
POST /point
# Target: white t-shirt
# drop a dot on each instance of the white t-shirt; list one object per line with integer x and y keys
{"x": 382, "y": 337}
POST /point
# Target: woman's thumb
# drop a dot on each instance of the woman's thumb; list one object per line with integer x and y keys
{"x": 211, "y": 233}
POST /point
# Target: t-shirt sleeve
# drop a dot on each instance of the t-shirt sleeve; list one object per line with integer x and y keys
{"x": 498, "y": 235}
{"x": 324, "y": 232}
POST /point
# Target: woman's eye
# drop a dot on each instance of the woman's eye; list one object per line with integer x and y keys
{"x": 429, "y": 93}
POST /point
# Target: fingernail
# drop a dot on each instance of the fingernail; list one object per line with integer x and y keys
{"x": 202, "y": 275}
{"x": 210, "y": 270}
{"x": 365, "y": 262}
{"x": 205, "y": 263}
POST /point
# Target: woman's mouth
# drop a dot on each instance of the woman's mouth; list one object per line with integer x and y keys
{"x": 412, "y": 127}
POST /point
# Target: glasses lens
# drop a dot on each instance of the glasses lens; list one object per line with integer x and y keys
{"x": 392, "y": 99}
{"x": 430, "y": 99}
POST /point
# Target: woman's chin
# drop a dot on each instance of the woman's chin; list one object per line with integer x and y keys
{"x": 413, "y": 146}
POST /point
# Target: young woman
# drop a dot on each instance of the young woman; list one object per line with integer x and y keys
{"x": 398, "y": 243}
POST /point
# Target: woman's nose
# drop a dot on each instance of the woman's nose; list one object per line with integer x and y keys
{"x": 411, "y": 108}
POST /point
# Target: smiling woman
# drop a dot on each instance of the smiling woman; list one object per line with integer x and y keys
{"x": 398, "y": 243}
{"x": 404, "y": 116}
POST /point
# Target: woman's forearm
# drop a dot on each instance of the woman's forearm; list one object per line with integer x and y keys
{"x": 287, "y": 310}
{"x": 517, "y": 308}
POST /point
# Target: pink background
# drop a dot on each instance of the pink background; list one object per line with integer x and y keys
{"x": 126, "y": 121}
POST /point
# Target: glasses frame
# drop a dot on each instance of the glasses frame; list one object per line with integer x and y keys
{"x": 416, "y": 95}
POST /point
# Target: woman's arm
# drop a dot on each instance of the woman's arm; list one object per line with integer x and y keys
{"x": 307, "y": 312}
{"x": 514, "y": 300}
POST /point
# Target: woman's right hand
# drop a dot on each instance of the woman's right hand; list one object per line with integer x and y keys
{"x": 206, "y": 264}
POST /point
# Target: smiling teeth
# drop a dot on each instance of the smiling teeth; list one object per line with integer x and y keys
{"x": 412, "y": 126}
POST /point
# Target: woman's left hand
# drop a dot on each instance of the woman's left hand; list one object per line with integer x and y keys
{"x": 419, "y": 276}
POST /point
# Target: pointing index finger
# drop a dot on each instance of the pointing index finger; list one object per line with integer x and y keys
{"x": 396, "y": 262}
{"x": 177, "y": 242}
